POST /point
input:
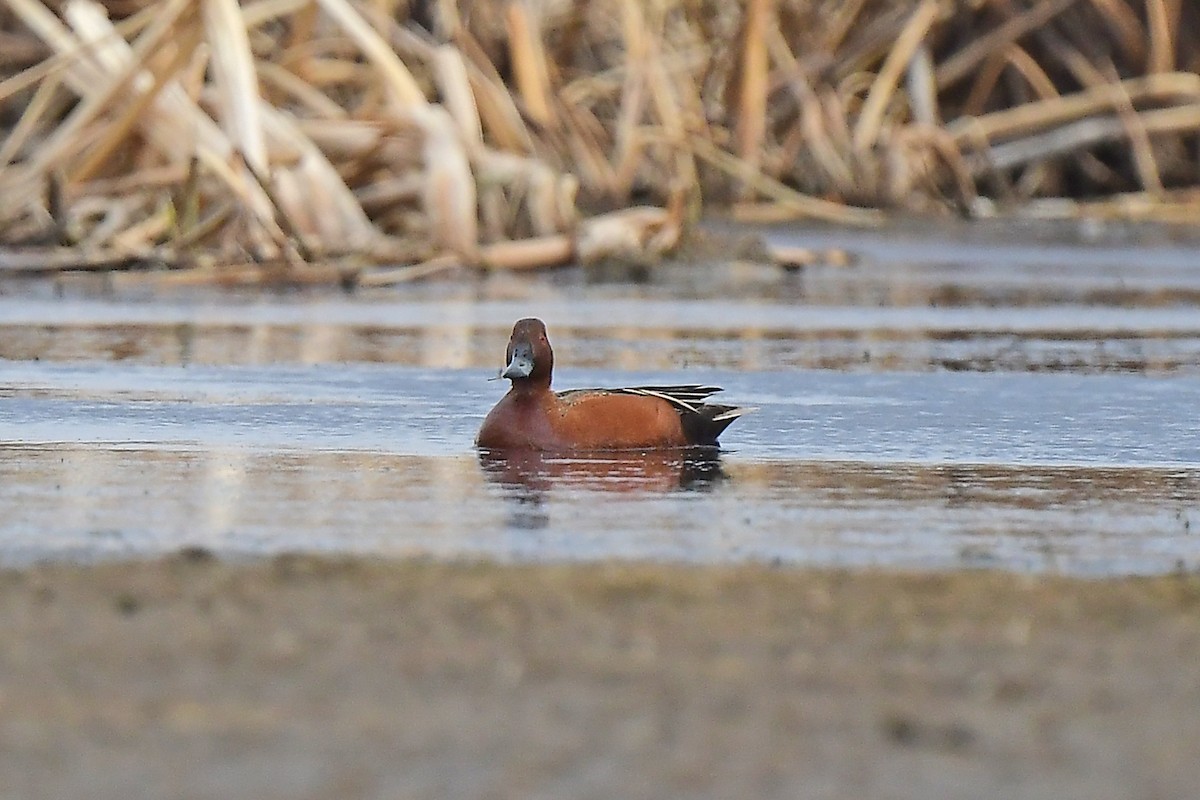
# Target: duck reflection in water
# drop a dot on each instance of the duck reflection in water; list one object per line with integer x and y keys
{"x": 656, "y": 471}
{"x": 528, "y": 476}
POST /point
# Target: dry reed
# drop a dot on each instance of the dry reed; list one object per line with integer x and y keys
{"x": 386, "y": 140}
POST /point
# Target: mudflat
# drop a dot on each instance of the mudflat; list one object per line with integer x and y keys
{"x": 302, "y": 677}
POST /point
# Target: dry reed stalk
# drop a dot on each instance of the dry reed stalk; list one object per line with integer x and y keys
{"x": 530, "y": 72}
{"x": 800, "y": 205}
{"x": 670, "y": 110}
{"x": 401, "y": 86}
{"x": 497, "y": 110}
{"x": 1123, "y": 21}
{"x": 536, "y": 253}
{"x": 1163, "y": 23}
{"x": 586, "y": 148}
{"x": 393, "y": 140}
{"x": 1178, "y": 208}
{"x": 922, "y": 88}
{"x": 142, "y": 235}
{"x": 751, "y": 124}
{"x": 1084, "y": 71}
{"x": 870, "y": 119}
{"x": 450, "y": 193}
{"x": 455, "y": 86}
{"x": 45, "y": 97}
{"x": 186, "y": 202}
{"x": 292, "y": 85}
{"x": 1144, "y": 162}
{"x": 844, "y": 16}
{"x": 811, "y": 131}
{"x": 303, "y": 13}
{"x": 294, "y": 232}
{"x": 235, "y": 81}
{"x": 551, "y": 200}
{"x": 241, "y": 275}
{"x": 627, "y": 138}
{"x": 984, "y": 84}
{"x": 1029, "y": 69}
{"x": 1084, "y": 133}
{"x": 407, "y": 274}
{"x": 312, "y": 191}
{"x": 1033, "y": 116}
{"x": 30, "y": 77}
{"x": 53, "y": 260}
{"x": 964, "y": 62}
{"x": 150, "y": 178}
{"x": 1091, "y": 76}
{"x": 382, "y": 195}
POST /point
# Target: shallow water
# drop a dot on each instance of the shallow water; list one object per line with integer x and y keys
{"x": 1091, "y": 474}
{"x": 956, "y": 405}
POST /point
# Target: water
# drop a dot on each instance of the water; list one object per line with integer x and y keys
{"x": 917, "y": 411}
{"x": 1090, "y": 474}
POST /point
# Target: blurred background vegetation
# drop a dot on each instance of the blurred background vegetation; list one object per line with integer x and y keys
{"x": 330, "y": 139}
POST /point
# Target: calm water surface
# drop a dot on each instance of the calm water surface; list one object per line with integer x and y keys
{"x": 968, "y": 407}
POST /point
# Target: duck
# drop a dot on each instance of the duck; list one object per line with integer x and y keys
{"x": 533, "y": 417}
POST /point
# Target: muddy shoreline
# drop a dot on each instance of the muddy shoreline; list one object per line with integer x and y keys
{"x": 308, "y": 677}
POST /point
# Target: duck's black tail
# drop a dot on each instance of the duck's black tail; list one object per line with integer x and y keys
{"x": 707, "y": 422}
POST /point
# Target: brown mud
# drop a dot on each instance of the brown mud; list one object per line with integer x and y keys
{"x": 300, "y": 677}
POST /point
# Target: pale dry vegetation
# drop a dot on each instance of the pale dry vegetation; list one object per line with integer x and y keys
{"x": 375, "y": 141}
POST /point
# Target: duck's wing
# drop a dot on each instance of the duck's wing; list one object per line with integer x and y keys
{"x": 702, "y": 421}
{"x": 685, "y": 397}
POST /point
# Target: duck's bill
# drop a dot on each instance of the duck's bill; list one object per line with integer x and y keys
{"x": 521, "y": 363}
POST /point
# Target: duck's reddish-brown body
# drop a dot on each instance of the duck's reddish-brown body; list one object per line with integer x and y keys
{"x": 533, "y": 417}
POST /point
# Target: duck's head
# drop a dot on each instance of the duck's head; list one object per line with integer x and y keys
{"x": 529, "y": 356}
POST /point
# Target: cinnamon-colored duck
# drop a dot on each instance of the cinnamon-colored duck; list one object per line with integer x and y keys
{"x": 532, "y": 417}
